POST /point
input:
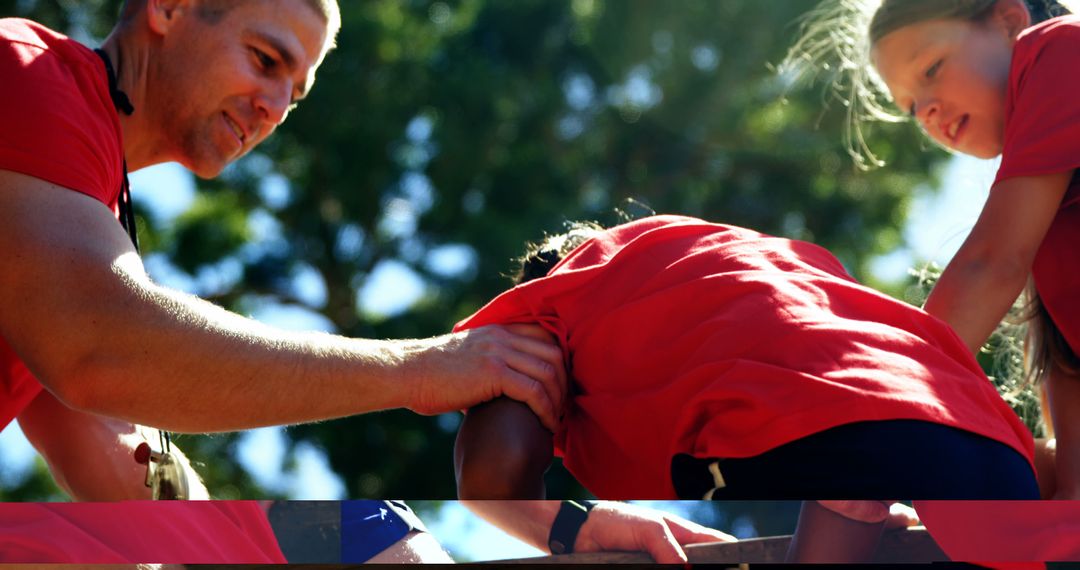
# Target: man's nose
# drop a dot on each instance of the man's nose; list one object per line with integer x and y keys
{"x": 274, "y": 101}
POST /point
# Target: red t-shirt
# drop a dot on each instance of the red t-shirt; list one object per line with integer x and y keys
{"x": 57, "y": 123}
{"x": 1042, "y": 136}
{"x": 996, "y": 532}
{"x": 167, "y": 532}
{"x": 689, "y": 337}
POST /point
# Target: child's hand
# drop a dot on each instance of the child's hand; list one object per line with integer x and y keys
{"x": 901, "y": 516}
{"x": 862, "y": 511}
{"x": 894, "y": 514}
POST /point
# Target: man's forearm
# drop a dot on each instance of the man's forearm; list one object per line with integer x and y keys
{"x": 177, "y": 362}
{"x": 77, "y": 307}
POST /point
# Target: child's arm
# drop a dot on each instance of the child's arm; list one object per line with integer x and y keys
{"x": 502, "y": 451}
{"x": 990, "y": 270}
{"x": 1063, "y": 394}
{"x": 825, "y": 536}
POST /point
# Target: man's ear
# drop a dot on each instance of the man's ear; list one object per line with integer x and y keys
{"x": 1012, "y": 16}
{"x": 161, "y": 15}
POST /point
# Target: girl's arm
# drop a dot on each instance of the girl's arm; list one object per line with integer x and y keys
{"x": 502, "y": 452}
{"x": 990, "y": 270}
{"x": 1063, "y": 393}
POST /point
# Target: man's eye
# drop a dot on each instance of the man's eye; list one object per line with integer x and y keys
{"x": 264, "y": 59}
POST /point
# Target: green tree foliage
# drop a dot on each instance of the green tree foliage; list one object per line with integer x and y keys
{"x": 442, "y": 135}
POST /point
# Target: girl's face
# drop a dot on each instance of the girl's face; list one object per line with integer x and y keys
{"x": 952, "y": 76}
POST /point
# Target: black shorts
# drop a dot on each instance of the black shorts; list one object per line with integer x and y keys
{"x": 895, "y": 459}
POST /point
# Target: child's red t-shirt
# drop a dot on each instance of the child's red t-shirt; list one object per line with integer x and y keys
{"x": 58, "y": 124}
{"x": 1042, "y": 136}
{"x": 689, "y": 337}
{"x": 1004, "y": 534}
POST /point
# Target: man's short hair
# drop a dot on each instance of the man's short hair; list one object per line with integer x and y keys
{"x": 213, "y": 10}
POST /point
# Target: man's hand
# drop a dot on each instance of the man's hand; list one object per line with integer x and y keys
{"x": 623, "y": 527}
{"x": 456, "y": 371}
{"x": 615, "y": 527}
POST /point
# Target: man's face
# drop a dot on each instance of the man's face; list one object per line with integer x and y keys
{"x": 221, "y": 85}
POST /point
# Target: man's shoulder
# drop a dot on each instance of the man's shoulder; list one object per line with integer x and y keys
{"x": 59, "y": 121}
{"x": 29, "y": 32}
{"x": 27, "y": 42}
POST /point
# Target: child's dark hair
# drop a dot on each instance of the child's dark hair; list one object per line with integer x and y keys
{"x": 834, "y": 44}
{"x": 541, "y": 258}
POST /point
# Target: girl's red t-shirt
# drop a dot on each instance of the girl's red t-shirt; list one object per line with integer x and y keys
{"x": 58, "y": 125}
{"x": 683, "y": 336}
{"x": 1010, "y": 535}
{"x": 1042, "y": 136}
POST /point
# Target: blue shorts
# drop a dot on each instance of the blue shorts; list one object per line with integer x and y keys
{"x": 370, "y": 527}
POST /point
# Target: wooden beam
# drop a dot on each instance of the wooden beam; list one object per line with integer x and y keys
{"x": 906, "y": 546}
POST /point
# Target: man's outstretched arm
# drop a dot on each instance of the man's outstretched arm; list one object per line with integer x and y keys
{"x": 77, "y": 306}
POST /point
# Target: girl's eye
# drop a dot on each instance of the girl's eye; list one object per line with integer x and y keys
{"x": 930, "y": 73}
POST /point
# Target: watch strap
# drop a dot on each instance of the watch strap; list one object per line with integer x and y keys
{"x": 568, "y": 522}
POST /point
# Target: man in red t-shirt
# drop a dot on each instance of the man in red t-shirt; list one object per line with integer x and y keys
{"x": 200, "y": 83}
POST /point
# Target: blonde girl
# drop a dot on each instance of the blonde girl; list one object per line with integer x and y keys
{"x": 981, "y": 79}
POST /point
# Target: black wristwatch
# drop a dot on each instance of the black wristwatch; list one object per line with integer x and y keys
{"x": 564, "y": 531}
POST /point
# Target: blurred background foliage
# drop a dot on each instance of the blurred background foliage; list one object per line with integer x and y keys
{"x": 443, "y": 135}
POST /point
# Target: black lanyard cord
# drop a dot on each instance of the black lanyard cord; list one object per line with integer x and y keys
{"x": 127, "y": 211}
{"x": 123, "y": 105}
